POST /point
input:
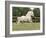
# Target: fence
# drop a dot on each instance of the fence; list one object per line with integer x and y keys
{"x": 34, "y": 19}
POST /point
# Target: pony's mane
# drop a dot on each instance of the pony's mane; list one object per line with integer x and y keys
{"x": 28, "y": 13}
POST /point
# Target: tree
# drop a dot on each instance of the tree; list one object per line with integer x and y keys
{"x": 19, "y": 11}
{"x": 36, "y": 12}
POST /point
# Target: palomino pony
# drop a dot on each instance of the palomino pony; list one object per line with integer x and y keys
{"x": 28, "y": 17}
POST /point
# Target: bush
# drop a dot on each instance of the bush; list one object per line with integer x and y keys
{"x": 36, "y": 19}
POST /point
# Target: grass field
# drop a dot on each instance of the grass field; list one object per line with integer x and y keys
{"x": 25, "y": 26}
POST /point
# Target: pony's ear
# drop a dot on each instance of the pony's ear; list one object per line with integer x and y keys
{"x": 32, "y": 9}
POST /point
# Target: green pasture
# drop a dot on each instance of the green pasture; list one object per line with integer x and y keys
{"x": 25, "y": 26}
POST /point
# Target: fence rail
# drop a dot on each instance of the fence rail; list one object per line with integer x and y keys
{"x": 34, "y": 19}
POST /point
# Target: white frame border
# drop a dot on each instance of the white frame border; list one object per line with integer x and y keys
{"x": 23, "y": 32}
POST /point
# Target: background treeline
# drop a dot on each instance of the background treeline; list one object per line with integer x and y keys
{"x": 20, "y": 11}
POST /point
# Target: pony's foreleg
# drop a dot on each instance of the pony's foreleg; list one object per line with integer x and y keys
{"x": 18, "y": 21}
{"x": 30, "y": 20}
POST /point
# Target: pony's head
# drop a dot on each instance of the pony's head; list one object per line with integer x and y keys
{"x": 30, "y": 13}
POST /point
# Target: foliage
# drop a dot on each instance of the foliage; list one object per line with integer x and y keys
{"x": 19, "y": 11}
{"x": 36, "y": 12}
